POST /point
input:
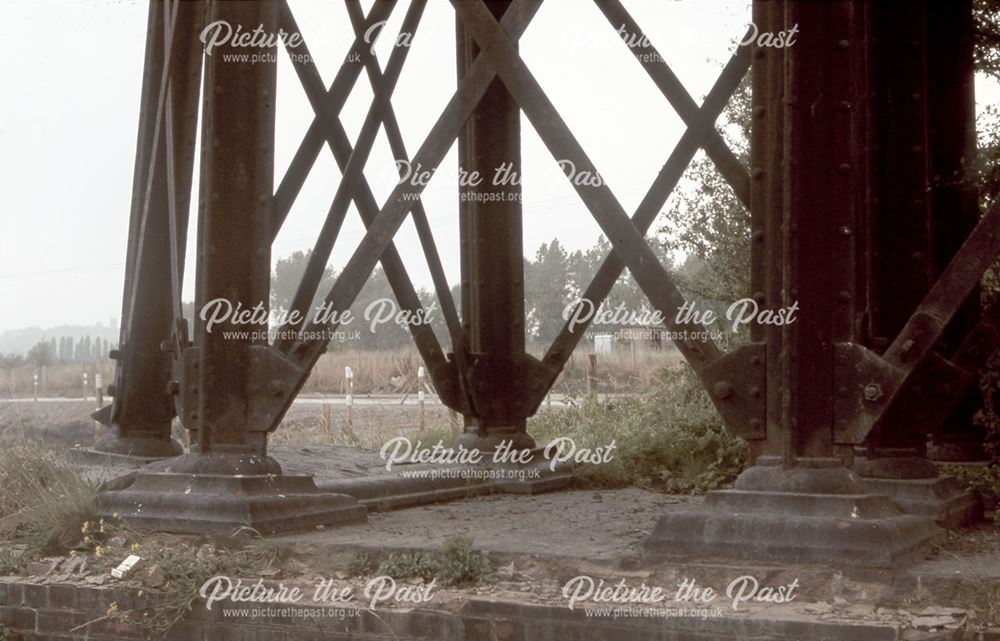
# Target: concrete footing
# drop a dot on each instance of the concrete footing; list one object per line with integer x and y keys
{"x": 209, "y": 494}
{"x": 941, "y": 498}
{"x": 815, "y": 512}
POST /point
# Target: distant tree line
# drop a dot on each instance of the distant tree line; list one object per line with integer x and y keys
{"x": 60, "y": 351}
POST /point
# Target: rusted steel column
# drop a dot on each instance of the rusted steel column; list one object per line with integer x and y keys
{"x": 800, "y": 501}
{"x": 142, "y": 410}
{"x": 899, "y": 213}
{"x": 234, "y": 237}
{"x": 954, "y": 197}
{"x": 492, "y": 260}
{"x": 227, "y": 383}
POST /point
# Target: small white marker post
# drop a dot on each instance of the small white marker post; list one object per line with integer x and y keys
{"x": 420, "y": 395}
{"x": 99, "y": 397}
{"x": 35, "y": 387}
{"x": 349, "y": 376}
{"x": 86, "y": 386}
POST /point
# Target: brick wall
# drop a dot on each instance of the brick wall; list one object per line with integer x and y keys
{"x": 70, "y": 613}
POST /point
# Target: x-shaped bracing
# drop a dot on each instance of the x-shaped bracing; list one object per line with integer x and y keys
{"x": 498, "y": 57}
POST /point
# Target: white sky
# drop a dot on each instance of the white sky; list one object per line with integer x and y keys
{"x": 69, "y": 113}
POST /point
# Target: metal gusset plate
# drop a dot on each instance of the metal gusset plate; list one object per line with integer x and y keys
{"x": 872, "y": 384}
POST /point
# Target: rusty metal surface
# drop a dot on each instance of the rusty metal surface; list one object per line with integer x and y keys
{"x": 845, "y": 143}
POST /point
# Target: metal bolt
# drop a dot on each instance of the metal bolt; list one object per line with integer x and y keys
{"x": 873, "y": 392}
{"x": 173, "y": 388}
{"x": 757, "y": 173}
{"x": 755, "y": 391}
{"x": 722, "y": 389}
{"x": 844, "y": 168}
{"x": 276, "y": 387}
{"x": 845, "y": 231}
{"x": 755, "y": 360}
{"x": 844, "y": 43}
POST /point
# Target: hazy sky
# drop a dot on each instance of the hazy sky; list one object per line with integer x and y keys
{"x": 69, "y": 115}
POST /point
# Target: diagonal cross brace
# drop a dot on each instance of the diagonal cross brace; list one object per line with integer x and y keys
{"x": 627, "y": 241}
{"x": 306, "y": 352}
{"x": 382, "y": 111}
{"x": 312, "y": 143}
{"x": 670, "y": 86}
{"x": 354, "y": 186}
{"x": 888, "y": 379}
{"x": 664, "y": 184}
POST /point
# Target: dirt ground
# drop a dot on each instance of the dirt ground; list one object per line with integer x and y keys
{"x": 68, "y": 423}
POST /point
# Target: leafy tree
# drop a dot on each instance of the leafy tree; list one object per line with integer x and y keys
{"x": 706, "y": 225}
{"x": 547, "y": 290}
{"x": 288, "y": 274}
{"x": 41, "y": 354}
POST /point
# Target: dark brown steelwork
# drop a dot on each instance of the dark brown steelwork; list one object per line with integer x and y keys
{"x": 234, "y": 242}
{"x": 850, "y": 159}
{"x": 142, "y": 410}
{"x": 492, "y": 261}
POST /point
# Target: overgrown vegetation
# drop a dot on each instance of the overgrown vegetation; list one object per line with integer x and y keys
{"x": 455, "y": 563}
{"x": 45, "y": 504}
{"x": 670, "y": 440}
{"x": 185, "y": 568}
{"x": 984, "y": 479}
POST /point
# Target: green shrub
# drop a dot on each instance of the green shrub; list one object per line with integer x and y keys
{"x": 459, "y": 564}
{"x": 456, "y": 563}
{"x": 403, "y": 566}
{"x": 672, "y": 440}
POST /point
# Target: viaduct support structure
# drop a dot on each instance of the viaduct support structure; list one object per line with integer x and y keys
{"x": 863, "y": 219}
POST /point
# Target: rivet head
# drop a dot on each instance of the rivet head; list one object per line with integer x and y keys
{"x": 845, "y": 231}
{"x": 873, "y": 392}
{"x": 844, "y": 105}
{"x": 843, "y": 168}
{"x": 758, "y": 236}
{"x": 759, "y": 297}
{"x": 843, "y": 43}
{"x": 844, "y": 296}
{"x": 757, "y": 173}
{"x": 759, "y": 111}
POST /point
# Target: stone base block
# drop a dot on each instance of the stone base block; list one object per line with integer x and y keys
{"x": 859, "y": 530}
{"x": 811, "y": 510}
{"x": 218, "y": 503}
{"x": 942, "y": 498}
